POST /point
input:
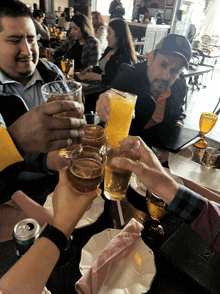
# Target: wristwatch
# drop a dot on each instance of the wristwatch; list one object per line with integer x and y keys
{"x": 54, "y": 235}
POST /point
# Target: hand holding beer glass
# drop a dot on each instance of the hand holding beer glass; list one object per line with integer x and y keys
{"x": 122, "y": 107}
{"x": 206, "y": 123}
{"x": 65, "y": 90}
{"x": 116, "y": 180}
{"x": 87, "y": 169}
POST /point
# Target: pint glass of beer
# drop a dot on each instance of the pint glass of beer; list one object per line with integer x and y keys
{"x": 122, "y": 106}
{"x": 65, "y": 90}
{"x": 116, "y": 180}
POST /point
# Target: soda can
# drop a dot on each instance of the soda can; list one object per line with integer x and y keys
{"x": 24, "y": 235}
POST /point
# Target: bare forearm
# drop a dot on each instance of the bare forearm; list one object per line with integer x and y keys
{"x": 30, "y": 274}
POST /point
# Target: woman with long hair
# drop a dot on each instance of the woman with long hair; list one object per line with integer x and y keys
{"x": 81, "y": 45}
{"x": 120, "y": 50}
{"x": 100, "y": 29}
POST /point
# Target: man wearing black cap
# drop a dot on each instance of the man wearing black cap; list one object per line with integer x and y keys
{"x": 160, "y": 87}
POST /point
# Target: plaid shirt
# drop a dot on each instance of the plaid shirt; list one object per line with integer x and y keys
{"x": 204, "y": 215}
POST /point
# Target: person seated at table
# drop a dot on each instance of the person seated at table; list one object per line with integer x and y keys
{"x": 42, "y": 30}
{"x": 100, "y": 29}
{"x": 22, "y": 75}
{"x": 81, "y": 45}
{"x": 159, "y": 85}
{"x": 65, "y": 19}
{"x": 120, "y": 50}
{"x": 31, "y": 272}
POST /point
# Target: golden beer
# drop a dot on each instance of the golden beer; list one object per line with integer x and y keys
{"x": 207, "y": 122}
{"x": 116, "y": 180}
{"x": 65, "y": 65}
{"x": 155, "y": 206}
{"x": 85, "y": 174}
{"x": 94, "y": 136}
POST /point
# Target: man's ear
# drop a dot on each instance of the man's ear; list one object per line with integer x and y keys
{"x": 150, "y": 58}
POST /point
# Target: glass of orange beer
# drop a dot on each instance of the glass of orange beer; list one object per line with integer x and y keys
{"x": 122, "y": 107}
{"x": 206, "y": 123}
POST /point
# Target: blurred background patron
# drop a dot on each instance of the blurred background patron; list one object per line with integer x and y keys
{"x": 100, "y": 29}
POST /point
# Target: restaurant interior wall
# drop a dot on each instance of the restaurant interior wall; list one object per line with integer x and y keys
{"x": 62, "y": 3}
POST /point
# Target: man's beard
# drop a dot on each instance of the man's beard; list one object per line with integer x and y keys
{"x": 161, "y": 85}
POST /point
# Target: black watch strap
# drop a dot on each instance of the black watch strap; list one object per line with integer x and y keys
{"x": 56, "y": 236}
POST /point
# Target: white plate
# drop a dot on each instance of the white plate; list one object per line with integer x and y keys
{"x": 89, "y": 217}
{"x": 141, "y": 189}
{"x": 128, "y": 277}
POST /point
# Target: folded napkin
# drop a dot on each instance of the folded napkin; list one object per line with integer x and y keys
{"x": 32, "y": 209}
{"x": 114, "y": 252}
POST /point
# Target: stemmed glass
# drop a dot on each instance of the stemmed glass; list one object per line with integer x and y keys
{"x": 156, "y": 210}
{"x": 65, "y": 65}
{"x": 206, "y": 123}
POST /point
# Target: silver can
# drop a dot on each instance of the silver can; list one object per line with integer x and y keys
{"x": 24, "y": 235}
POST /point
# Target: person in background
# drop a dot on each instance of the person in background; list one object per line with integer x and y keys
{"x": 31, "y": 272}
{"x": 100, "y": 29}
{"x": 120, "y": 50}
{"x": 42, "y": 30}
{"x": 116, "y": 9}
{"x": 81, "y": 45}
{"x": 143, "y": 10}
{"x": 35, "y": 7}
{"x": 58, "y": 14}
{"x": 65, "y": 19}
{"x": 22, "y": 75}
{"x": 159, "y": 85}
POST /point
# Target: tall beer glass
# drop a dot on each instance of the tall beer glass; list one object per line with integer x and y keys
{"x": 206, "y": 123}
{"x": 65, "y": 90}
{"x": 122, "y": 106}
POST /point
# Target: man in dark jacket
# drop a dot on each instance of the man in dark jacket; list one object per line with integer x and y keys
{"x": 160, "y": 87}
{"x": 21, "y": 76}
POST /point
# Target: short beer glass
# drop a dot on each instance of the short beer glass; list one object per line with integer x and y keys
{"x": 94, "y": 132}
{"x": 87, "y": 169}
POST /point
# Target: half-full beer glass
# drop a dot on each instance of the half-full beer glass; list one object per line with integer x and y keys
{"x": 65, "y": 90}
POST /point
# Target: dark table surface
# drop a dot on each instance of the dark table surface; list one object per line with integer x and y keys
{"x": 168, "y": 279}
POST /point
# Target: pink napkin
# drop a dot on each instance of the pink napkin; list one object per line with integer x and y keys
{"x": 114, "y": 252}
{"x": 32, "y": 209}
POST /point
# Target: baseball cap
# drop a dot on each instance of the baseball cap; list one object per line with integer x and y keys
{"x": 174, "y": 44}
